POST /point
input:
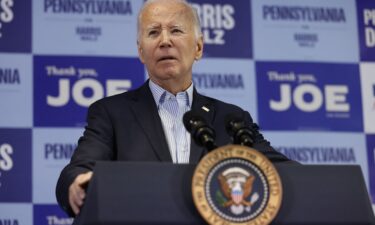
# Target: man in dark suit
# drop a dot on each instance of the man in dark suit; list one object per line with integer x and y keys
{"x": 146, "y": 124}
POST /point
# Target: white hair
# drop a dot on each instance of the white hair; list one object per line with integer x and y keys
{"x": 196, "y": 21}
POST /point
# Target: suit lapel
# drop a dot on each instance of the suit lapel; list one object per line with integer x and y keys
{"x": 146, "y": 113}
{"x": 203, "y": 106}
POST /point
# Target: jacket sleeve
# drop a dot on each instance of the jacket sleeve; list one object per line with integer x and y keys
{"x": 95, "y": 144}
{"x": 264, "y": 146}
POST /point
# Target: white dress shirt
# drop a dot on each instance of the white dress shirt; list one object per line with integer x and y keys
{"x": 171, "y": 110}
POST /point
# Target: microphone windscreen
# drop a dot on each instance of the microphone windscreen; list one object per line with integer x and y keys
{"x": 192, "y": 120}
{"x": 187, "y": 120}
{"x": 231, "y": 121}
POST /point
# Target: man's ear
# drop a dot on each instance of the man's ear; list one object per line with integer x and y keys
{"x": 140, "y": 52}
{"x": 199, "y": 48}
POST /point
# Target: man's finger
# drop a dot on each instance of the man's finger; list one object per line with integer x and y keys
{"x": 75, "y": 209}
{"x": 82, "y": 179}
{"x": 72, "y": 202}
{"x": 77, "y": 196}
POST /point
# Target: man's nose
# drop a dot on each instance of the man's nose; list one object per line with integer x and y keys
{"x": 165, "y": 39}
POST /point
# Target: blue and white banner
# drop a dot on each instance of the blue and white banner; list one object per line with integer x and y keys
{"x": 50, "y": 214}
{"x": 322, "y": 148}
{"x": 316, "y": 96}
{"x": 53, "y": 149}
{"x": 15, "y": 26}
{"x": 305, "y": 30}
{"x": 229, "y": 80}
{"x": 65, "y": 86}
{"x": 222, "y": 21}
{"x": 16, "y": 101}
{"x": 16, "y": 214}
{"x": 366, "y": 29}
{"x": 371, "y": 163}
{"x": 90, "y": 27}
{"x": 368, "y": 96}
{"x": 15, "y": 165}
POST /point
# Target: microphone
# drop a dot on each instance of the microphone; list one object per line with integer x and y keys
{"x": 201, "y": 132}
{"x": 236, "y": 128}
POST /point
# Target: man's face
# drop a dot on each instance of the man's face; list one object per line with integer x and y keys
{"x": 167, "y": 42}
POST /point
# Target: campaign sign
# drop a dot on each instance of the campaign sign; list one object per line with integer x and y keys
{"x": 100, "y": 27}
{"x": 295, "y": 30}
{"x": 229, "y": 80}
{"x": 368, "y": 96}
{"x": 309, "y": 96}
{"x": 371, "y": 163}
{"x": 16, "y": 90}
{"x": 16, "y": 214}
{"x": 53, "y": 149}
{"x": 50, "y": 214}
{"x": 366, "y": 29}
{"x": 226, "y": 27}
{"x": 65, "y": 86}
{"x": 15, "y": 26}
{"x": 15, "y": 165}
{"x": 322, "y": 148}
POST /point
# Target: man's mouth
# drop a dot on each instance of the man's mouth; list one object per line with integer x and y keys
{"x": 165, "y": 58}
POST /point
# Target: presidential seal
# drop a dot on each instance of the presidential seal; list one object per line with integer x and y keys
{"x": 236, "y": 185}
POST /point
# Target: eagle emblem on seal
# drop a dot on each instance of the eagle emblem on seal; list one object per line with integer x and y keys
{"x": 237, "y": 186}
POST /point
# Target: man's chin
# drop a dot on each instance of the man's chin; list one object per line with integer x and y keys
{"x": 169, "y": 73}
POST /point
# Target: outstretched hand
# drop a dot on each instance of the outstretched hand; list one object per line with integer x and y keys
{"x": 77, "y": 192}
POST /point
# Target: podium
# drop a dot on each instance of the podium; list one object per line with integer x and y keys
{"x": 160, "y": 193}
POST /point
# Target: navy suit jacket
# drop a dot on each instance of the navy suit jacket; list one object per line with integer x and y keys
{"x": 127, "y": 127}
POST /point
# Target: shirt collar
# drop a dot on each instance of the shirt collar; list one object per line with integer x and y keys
{"x": 159, "y": 93}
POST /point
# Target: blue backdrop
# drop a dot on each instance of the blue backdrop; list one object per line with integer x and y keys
{"x": 305, "y": 70}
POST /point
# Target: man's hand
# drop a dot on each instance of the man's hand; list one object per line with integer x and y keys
{"x": 77, "y": 192}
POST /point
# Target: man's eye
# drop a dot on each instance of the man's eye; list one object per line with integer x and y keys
{"x": 175, "y": 31}
{"x": 152, "y": 33}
